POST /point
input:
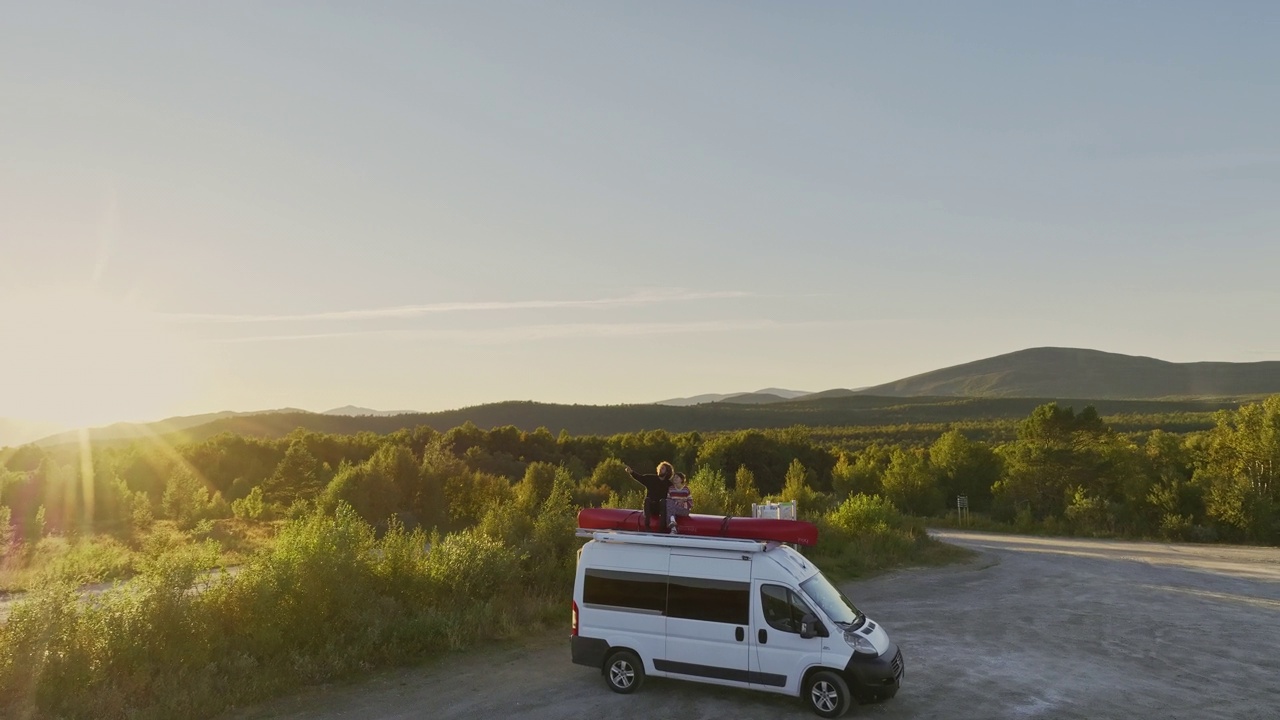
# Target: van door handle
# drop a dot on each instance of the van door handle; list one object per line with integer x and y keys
{"x": 739, "y": 634}
{"x": 762, "y": 636}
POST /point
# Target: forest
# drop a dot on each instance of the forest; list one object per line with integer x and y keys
{"x": 316, "y": 555}
{"x": 1073, "y": 471}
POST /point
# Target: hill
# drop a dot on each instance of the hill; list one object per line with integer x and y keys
{"x": 759, "y": 396}
{"x": 168, "y": 426}
{"x": 1050, "y": 372}
{"x": 357, "y": 410}
{"x": 856, "y": 410}
{"x": 14, "y": 432}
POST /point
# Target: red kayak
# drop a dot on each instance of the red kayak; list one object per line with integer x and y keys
{"x": 798, "y": 532}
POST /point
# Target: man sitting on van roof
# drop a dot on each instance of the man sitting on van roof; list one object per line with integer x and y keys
{"x": 655, "y": 495}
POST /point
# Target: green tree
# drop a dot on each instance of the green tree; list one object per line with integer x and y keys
{"x": 36, "y": 528}
{"x": 299, "y": 476}
{"x": 1055, "y": 451}
{"x": 797, "y": 487}
{"x": 710, "y": 496}
{"x": 863, "y": 473}
{"x": 910, "y": 484}
{"x": 768, "y": 454}
{"x": 251, "y": 506}
{"x": 965, "y": 468}
{"x": 1239, "y": 472}
{"x": 185, "y": 498}
{"x": 612, "y": 473}
{"x": 745, "y": 493}
{"x": 534, "y": 489}
{"x": 429, "y": 500}
{"x": 6, "y": 529}
{"x": 469, "y": 496}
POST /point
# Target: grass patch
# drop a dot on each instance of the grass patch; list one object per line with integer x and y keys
{"x": 80, "y": 561}
{"x": 98, "y": 558}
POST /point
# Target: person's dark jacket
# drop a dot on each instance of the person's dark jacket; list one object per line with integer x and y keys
{"x": 655, "y": 487}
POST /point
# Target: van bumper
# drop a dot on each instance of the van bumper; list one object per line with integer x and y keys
{"x": 588, "y": 651}
{"x": 875, "y": 678}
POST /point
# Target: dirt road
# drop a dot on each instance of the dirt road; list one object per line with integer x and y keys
{"x": 1034, "y": 628}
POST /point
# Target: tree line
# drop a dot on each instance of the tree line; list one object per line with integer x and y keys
{"x": 1057, "y": 468}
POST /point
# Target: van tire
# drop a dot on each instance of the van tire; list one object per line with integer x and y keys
{"x": 827, "y": 694}
{"x": 624, "y": 672}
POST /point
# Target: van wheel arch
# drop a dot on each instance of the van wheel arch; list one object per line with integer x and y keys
{"x": 604, "y": 664}
{"x": 804, "y": 676}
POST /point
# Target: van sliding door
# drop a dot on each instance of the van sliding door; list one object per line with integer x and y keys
{"x": 708, "y": 615}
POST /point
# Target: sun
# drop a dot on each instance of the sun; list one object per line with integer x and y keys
{"x": 80, "y": 358}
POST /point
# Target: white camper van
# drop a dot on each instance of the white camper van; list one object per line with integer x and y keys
{"x": 742, "y": 613}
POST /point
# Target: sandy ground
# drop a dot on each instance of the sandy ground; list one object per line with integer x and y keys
{"x": 1033, "y": 628}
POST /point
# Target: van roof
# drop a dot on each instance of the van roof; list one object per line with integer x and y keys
{"x": 682, "y": 541}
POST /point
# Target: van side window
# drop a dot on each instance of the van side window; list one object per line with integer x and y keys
{"x": 645, "y": 592}
{"x": 721, "y": 601}
{"x": 782, "y": 608}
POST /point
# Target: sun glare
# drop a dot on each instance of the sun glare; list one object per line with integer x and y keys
{"x": 80, "y": 359}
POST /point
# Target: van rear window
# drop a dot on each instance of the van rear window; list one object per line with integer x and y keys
{"x": 721, "y": 601}
{"x": 632, "y": 590}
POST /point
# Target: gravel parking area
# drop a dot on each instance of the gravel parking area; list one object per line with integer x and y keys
{"x": 1033, "y": 627}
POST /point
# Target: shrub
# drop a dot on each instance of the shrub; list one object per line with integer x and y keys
{"x": 867, "y": 533}
{"x": 6, "y": 529}
{"x": 251, "y": 506}
{"x": 468, "y": 565}
{"x": 88, "y": 561}
{"x": 710, "y": 496}
{"x": 865, "y": 514}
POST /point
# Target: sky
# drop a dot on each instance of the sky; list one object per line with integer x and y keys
{"x": 248, "y": 205}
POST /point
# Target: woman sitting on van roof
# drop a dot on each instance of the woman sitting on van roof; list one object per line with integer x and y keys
{"x": 679, "y": 500}
{"x": 655, "y": 495}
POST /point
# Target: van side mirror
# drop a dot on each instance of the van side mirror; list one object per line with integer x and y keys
{"x": 810, "y": 627}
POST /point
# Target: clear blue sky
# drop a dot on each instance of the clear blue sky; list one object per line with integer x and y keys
{"x": 243, "y": 205}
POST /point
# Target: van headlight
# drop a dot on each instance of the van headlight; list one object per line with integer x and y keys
{"x": 860, "y": 644}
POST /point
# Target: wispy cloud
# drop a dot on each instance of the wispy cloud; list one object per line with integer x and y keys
{"x": 524, "y": 333}
{"x": 412, "y": 311}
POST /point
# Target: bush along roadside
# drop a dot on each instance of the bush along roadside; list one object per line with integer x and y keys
{"x": 328, "y": 599}
{"x": 867, "y": 534}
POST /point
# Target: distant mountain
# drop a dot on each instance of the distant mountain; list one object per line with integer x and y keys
{"x": 132, "y": 431}
{"x": 848, "y": 411}
{"x": 756, "y": 398}
{"x": 18, "y": 432}
{"x": 766, "y": 395}
{"x": 353, "y": 411}
{"x": 1004, "y": 387}
{"x": 834, "y": 393}
{"x": 695, "y": 400}
{"x": 1050, "y": 372}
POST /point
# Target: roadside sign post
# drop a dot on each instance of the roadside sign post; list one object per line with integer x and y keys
{"x": 962, "y": 508}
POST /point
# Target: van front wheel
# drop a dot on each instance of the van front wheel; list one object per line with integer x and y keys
{"x": 827, "y": 694}
{"x": 624, "y": 672}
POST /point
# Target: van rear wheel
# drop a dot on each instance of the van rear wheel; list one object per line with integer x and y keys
{"x": 827, "y": 694}
{"x": 624, "y": 672}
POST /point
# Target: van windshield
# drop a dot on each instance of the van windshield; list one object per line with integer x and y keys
{"x": 833, "y": 602}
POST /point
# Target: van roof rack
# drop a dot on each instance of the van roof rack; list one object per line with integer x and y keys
{"x": 687, "y": 541}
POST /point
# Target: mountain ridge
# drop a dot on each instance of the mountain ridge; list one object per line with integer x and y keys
{"x": 1077, "y": 372}
{"x": 1041, "y": 374}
